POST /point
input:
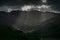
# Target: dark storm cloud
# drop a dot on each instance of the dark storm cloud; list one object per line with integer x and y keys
{"x": 19, "y": 2}
{"x": 6, "y": 5}
{"x": 55, "y": 4}
{"x": 10, "y": 2}
{"x": 32, "y": 1}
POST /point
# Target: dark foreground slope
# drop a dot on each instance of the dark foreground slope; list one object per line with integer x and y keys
{"x": 8, "y": 33}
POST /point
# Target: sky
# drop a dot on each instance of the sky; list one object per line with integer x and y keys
{"x": 55, "y": 4}
{"x": 16, "y": 4}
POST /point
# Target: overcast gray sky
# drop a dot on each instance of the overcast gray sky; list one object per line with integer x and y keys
{"x": 5, "y": 4}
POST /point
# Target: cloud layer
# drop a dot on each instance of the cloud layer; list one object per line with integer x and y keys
{"x": 16, "y": 4}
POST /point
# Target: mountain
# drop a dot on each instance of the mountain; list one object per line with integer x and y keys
{"x": 27, "y": 21}
{"x": 7, "y": 32}
{"x": 7, "y": 18}
{"x": 36, "y": 24}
